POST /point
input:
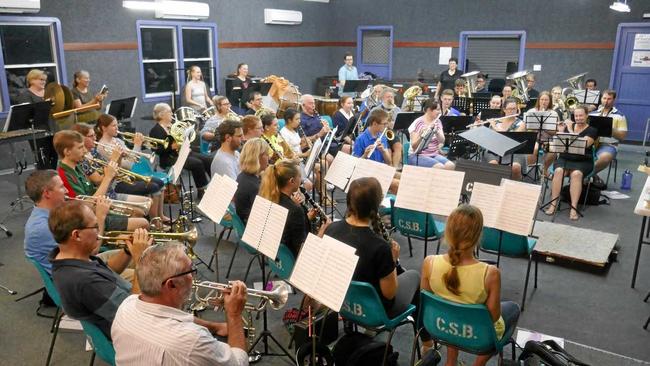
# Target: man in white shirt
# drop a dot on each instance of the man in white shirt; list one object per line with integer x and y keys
{"x": 150, "y": 328}
{"x": 226, "y": 160}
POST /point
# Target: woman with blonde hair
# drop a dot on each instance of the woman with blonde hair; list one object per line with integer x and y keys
{"x": 280, "y": 184}
{"x": 35, "y": 91}
{"x": 459, "y": 277}
{"x": 253, "y": 160}
{"x": 196, "y": 93}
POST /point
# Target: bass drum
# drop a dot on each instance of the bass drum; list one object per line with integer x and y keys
{"x": 185, "y": 114}
{"x": 327, "y": 106}
{"x": 290, "y": 99}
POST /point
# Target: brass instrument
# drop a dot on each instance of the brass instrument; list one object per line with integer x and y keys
{"x": 410, "y": 95}
{"x": 521, "y": 84}
{"x": 181, "y": 130}
{"x": 150, "y": 142}
{"x": 123, "y": 175}
{"x": 123, "y": 208}
{"x": 568, "y": 99}
{"x": 276, "y": 299}
{"x": 475, "y": 124}
{"x": 231, "y": 115}
{"x": 262, "y": 111}
{"x": 116, "y": 238}
{"x": 131, "y": 155}
{"x": 390, "y": 135}
{"x": 577, "y": 81}
{"x": 470, "y": 82}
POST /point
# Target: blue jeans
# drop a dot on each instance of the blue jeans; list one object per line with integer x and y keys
{"x": 510, "y": 313}
{"x": 426, "y": 160}
{"x": 607, "y": 148}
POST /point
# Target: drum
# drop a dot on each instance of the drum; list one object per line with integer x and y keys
{"x": 290, "y": 99}
{"x": 185, "y": 114}
{"x": 209, "y": 113}
{"x": 327, "y": 106}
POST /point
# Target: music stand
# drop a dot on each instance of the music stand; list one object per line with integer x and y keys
{"x": 262, "y": 88}
{"x": 483, "y": 172}
{"x": 122, "y": 109}
{"x": 565, "y": 143}
{"x": 587, "y": 96}
{"x": 404, "y": 120}
{"x": 602, "y": 124}
{"x": 492, "y": 141}
{"x": 452, "y": 124}
{"x": 462, "y": 103}
{"x": 352, "y": 122}
{"x": 491, "y": 113}
{"x": 355, "y": 86}
{"x": 539, "y": 122}
{"x": 481, "y": 103}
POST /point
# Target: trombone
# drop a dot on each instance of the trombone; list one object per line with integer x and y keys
{"x": 115, "y": 239}
{"x": 118, "y": 207}
{"x": 123, "y": 175}
{"x": 130, "y": 155}
{"x": 276, "y": 298}
{"x": 151, "y": 143}
{"x": 390, "y": 135}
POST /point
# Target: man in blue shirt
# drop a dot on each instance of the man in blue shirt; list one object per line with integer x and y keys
{"x": 347, "y": 72}
{"x": 364, "y": 146}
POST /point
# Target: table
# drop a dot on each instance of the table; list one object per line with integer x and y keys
{"x": 644, "y": 235}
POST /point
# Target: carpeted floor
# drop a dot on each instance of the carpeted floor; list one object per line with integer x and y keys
{"x": 600, "y": 315}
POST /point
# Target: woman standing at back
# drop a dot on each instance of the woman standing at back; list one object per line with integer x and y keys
{"x": 459, "y": 277}
{"x": 196, "y": 91}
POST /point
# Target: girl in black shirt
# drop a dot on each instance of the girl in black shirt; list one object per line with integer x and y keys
{"x": 253, "y": 160}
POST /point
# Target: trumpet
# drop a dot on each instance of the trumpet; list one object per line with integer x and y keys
{"x": 130, "y": 155}
{"x": 276, "y": 298}
{"x": 123, "y": 175}
{"x": 151, "y": 143}
{"x": 390, "y": 135}
{"x": 118, "y": 207}
{"x": 116, "y": 238}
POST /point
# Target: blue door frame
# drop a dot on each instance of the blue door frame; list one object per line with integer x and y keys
{"x": 631, "y": 83}
{"x": 384, "y": 71}
{"x": 464, "y": 36}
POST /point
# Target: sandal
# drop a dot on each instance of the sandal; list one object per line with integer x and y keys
{"x": 573, "y": 215}
{"x": 550, "y": 210}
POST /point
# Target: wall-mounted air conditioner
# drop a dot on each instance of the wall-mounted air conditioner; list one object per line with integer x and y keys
{"x": 167, "y": 9}
{"x": 285, "y": 17}
{"x": 20, "y": 6}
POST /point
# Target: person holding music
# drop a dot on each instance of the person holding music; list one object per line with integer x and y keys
{"x": 241, "y": 81}
{"x": 82, "y": 97}
{"x": 344, "y": 116}
{"x": 448, "y": 77}
{"x": 253, "y": 160}
{"x": 280, "y": 184}
{"x": 509, "y": 123}
{"x": 107, "y": 131}
{"x": 198, "y": 164}
{"x": 165, "y": 276}
{"x": 347, "y": 72}
{"x": 428, "y": 127}
{"x": 196, "y": 91}
{"x": 90, "y": 289}
{"x": 608, "y": 147}
{"x": 460, "y": 277}
{"x": 252, "y": 127}
{"x": 71, "y": 149}
{"x": 226, "y": 160}
{"x": 544, "y": 104}
{"x": 446, "y": 100}
{"x": 572, "y": 165}
{"x": 388, "y": 105}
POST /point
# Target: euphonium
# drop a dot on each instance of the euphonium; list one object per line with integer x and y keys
{"x": 231, "y": 115}
{"x": 276, "y": 298}
{"x": 470, "y": 82}
{"x": 150, "y": 142}
{"x": 521, "y": 84}
{"x": 118, "y": 207}
{"x": 123, "y": 175}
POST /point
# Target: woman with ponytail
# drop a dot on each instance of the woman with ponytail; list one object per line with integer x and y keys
{"x": 458, "y": 276}
{"x": 280, "y": 184}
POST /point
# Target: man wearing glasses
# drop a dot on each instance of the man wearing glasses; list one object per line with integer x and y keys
{"x": 151, "y": 328}
{"x": 90, "y": 289}
{"x": 254, "y": 103}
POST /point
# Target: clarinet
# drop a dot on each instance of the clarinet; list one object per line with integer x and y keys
{"x": 322, "y": 215}
{"x": 385, "y": 233}
{"x": 302, "y": 132}
{"x": 275, "y": 151}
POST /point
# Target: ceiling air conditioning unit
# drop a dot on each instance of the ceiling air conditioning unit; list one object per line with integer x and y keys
{"x": 20, "y": 6}
{"x": 182, "y": 10}
{"x": 285, "y": 17}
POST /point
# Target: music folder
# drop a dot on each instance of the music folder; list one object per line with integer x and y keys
{"x": 355, "y": 86}
{"x": 492, "y": 140}
{"x": 452, "y": 124}
{"x": 122, "y": 109}
{"x": 602, "y": 124}
{"x": 434, "y": 191}
{"x": 481, "y": 172}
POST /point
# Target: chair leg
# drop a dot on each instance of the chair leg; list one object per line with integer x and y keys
{"x": 216, "y": 246}
{"x": 647, "y": 322}
{"x": 615, "y": 161}
{"x": 232, "y": 260}
{"x": 523, "y": 300}
{"x": 426, "y": 245}
{"x": 410, "y": 246}
{"x": 229, "y": 232}
{"x": 536, "y": 272}
{"x": 438, "y": 248}
{"x": 92, "y": 359}
{"x": 57, "y": 319}
{"x": 647, "y": 297}
{"x": 390, "y": 336}
{"x": 584, "y": 202}
{"x": 609, "y": 170}
{"x": 248, "y": 269}
{"x": 514, "y": 350}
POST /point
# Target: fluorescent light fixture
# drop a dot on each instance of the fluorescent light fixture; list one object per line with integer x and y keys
{"x": 169, "y": 9}
{"x": 620, "y": 6}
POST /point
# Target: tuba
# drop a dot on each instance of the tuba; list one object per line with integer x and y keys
{"x": 470, "y": 82}
{"x": 520, "y": 82}
{"x": 577, "y": 82}
{"x": 410, "y": 95}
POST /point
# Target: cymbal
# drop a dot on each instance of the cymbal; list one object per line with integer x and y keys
{"x": 60, "y": 95}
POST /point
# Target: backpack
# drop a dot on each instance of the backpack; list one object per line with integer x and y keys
{"x": 547, "y": 353}
{"x": 356, "y": 349}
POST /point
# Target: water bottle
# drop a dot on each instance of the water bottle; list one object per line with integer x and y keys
{"x": 626, "y": 180}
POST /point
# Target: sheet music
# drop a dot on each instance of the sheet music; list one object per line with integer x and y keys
{"x": 370, "y": 168}
{"x": 315, "y": 152}
{"x": 217, "y": 197}
{"x": 265, "y": 226}
{"x": 324, "y": 270}
{"x": 413, "y": 188}
{"x": 488, "y": 199}
{"x": 184, "y": 152}
{"x": 341, "y": 169}
{"x": 547, "y": 119}
{"x": 518, "y": 207}
{"x": 429, "y": 190}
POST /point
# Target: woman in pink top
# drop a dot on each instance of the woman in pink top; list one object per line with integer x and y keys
{"x": 428, "y": 124}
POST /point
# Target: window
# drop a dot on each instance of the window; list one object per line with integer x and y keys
{"x": 168, "y": 49}
{"x": 28, "y": 43}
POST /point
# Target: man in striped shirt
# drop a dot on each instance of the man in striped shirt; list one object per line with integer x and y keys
{"x": 151, "y": 329}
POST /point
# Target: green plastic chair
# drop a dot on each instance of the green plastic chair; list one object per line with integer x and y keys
{"x": 101, "y": 345}
{"x": 329, "y": 120}
{"x": 412, "y": 224}
{"x": 281, "y": 123}
{"x": 405, "y": 152}
{"x": 362, "y": 306}
{"x": 143, "y": 167}
{"x": 54, "y": 295}
{"x": 500, "y": 243}
{"x": 468, "y": 327}
{"x": 283, "y": 264}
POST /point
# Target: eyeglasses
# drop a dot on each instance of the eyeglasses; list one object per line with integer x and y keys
{"x": 193, "y": 271}
{"x": 96, "y": 227}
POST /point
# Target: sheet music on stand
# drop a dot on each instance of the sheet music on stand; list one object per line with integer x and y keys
{"x": 462, "y": 103}
{"x": 587, "y": 96}
{"x": 217, "y": 197}
{"x": 313, "y": 155}
{"x": 340, "y": 170}
{"x": 545, "y": 121}
{"x": 370, "y": 168}
{"x": 480, "y": 103}
{"x": 434, "y": 191}
{"x": 183, "y": 153}
{"x": 265, "y": 226}
{"x": 510, "y": 207}
{"x": 324, "y": 269}
{"x": 568, "y": 143}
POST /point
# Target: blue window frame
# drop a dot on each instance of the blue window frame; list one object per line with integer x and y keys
{"x": 166, "y": 49}
{"x": 28, "y": 43}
